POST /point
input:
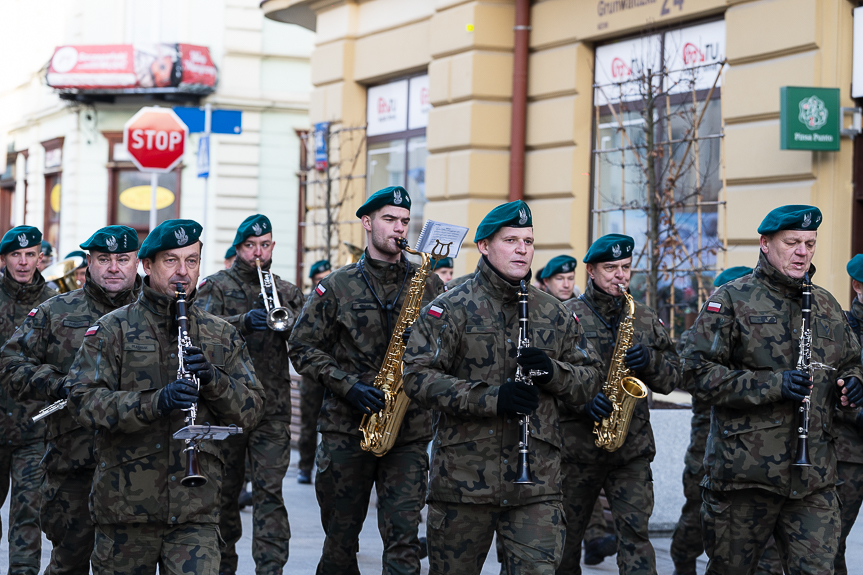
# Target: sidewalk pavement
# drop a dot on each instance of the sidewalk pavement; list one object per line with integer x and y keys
{"x": 307, "y": 538}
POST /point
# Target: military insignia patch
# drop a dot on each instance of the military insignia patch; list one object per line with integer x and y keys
{"x": 32, "y": 312}
{"x": 91, "y": 331}
{"x": 22, "y": 240}
{"x": 713, "y": 306}
{"x": 435, "y": 311}
{"x": 203, "y": 281}
{"x": 576, "y": 317}
{"x": 320, "y": 290}
{"x": 257, "y": 229}
{"x": 182, "y": 237}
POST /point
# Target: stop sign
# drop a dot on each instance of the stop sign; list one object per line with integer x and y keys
{"x": 156, "y": 139}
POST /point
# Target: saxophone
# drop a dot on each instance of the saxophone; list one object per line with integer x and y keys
{"x": 621, "y": 388}
{"x": 381, "y": 429}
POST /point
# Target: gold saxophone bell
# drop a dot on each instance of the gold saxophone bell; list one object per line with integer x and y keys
{"x": 63, "y": 274}
{"x": 278, "y": 317}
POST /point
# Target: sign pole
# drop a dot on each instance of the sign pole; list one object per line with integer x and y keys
{"x": 154, "y": 184}
{"x": 208, "y": 120}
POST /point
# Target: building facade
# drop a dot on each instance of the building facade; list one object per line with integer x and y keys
{"x": 66, "y": 169}
{"x": 717, "y": 68}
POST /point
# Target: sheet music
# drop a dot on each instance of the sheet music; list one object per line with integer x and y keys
{"x": 446, "y": 233}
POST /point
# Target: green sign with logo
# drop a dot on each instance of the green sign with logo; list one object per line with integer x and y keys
{"x": 810, "y": 117}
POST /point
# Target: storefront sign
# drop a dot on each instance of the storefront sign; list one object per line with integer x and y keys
{"x": 810, "y": 118}
{"x": 398, "y": 106}
{"x": 857, "y": 55}
{"x": 419, "y": 105}
{"x": 621, "y": 68}
{"x": 693, "y": 57}
{"x": 322, "y": 130}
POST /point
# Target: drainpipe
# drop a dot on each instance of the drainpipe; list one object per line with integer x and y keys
{"x": 519, "y": 100}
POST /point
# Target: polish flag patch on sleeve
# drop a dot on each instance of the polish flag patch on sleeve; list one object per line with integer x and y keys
{"x": 203, "y": 281}
{"x": 32, "y": 312}
{"x": 713, "y": 306}
{"x": 435, "y": 311}
{"x": 91, "y": 331}
{"x": 320, "y": 290}
{"x": 575, "y": 315}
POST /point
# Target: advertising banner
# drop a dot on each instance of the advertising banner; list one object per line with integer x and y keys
{"x": 387, "y": 110}
{"x": 810, "y": 118}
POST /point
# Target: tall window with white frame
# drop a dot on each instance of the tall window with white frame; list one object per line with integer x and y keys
{"x": 657, "y": 162}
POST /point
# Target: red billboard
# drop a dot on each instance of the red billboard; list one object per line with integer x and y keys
{"x": 134, "y": 68}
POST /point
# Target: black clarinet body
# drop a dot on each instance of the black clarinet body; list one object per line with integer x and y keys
{"x": 194, "y": 477}
{"x": 804, "y": 364}
{"x": 523, "y": 474}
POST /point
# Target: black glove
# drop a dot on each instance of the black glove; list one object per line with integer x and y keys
{"x": 259, "y": 303}
{"x": 518, "y": 398}
{"x": 198, "y": 364}
{"x": 366, "y": 398}
{"x": 795, "y": 385}
{"x": 61, "y": 392}
{"x": 255, "y": 320}
{"x": 600, "y": 407}
{"x": 179, "y": 394}
{"x": 533, "y": 358}
{"x": 853, "y": 390}
{"x": 637, "y": 357}
{"x": 406, "y": 335}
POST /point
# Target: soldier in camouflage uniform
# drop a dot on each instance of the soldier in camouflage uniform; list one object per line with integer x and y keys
{"x": 311, "y": 396}
{"x": 21, "y": 289}
{"x": 123, "y": 385}
{"x": 443, "y": 269}
{"x": 34, "y": 363}
{"x": 558, "y": 277}
{"x": 461, "y": 362}
{"x": 340, "y": 341}
{"x": 740, "y": 358}
{"x": 624, "y": 473}
{"x": 235, "y": 296}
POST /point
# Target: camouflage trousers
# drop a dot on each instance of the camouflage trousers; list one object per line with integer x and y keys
{"x": 460, "y": 534}
{"x": 738, "y": 524}
{"x": 597, "y": 527}
{"x": 311, "y": 399}
{"x": 269, "y": 450}
{"x": 629, "y": 490}
{"x": 345, "y": 476}
{"x": 137, "y": 549}
{"x": 21, "y": 464}
{"x": 66, "y": 521}
{"x": 850, "y": 490}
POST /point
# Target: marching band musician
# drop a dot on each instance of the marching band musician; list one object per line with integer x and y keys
{"x": 124, "y": 385}
{"x": 461, "y": 362}
{"x": 340, "y": 341}
{"x": 624, "y": 473}
{"x": 21, "y": 288}
{"x": 235, "y": 296}
{"x": 558, "y": 277}
{"x": 741, "y": 358}
{"x": 443, "y": 269}
{"x": 34, "y": 363}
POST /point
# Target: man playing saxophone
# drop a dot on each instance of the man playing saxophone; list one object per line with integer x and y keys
{"x": 235, "y": 296}
{"x": 34, "y": 363}
{"x": 340, "y": 341}
{"x": 462, "y": 362}
{"x": 741, "y": 358}
{"x": 624, "y": 473}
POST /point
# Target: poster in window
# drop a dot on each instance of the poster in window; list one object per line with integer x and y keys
{"x": 387, "y": 109}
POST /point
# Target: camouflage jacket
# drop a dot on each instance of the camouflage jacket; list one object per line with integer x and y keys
{"x": 16, "y": 302}
{"x": 341, "y": 338}
{"x": 463, "y": 348}
{"x": 455, "y": 282}
{"x": 745, "y": 337}
{"x": 849, "y": 437}
{"x": 115, "y": 382}
{"x": 37, "y": 358}
{"x": 600, "y": 315}
{"x": 229, "y": 294}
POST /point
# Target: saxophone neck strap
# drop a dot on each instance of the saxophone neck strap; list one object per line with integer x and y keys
{"x": 610, "y": 327}
{"x": 389, "y": 306}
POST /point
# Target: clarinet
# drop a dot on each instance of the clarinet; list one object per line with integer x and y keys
{"x": 523, "y": 474}
{"x": 193, "y": 477}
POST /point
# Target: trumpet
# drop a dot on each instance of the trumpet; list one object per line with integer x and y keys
{"x": 46, "y": 411}
{"x": 278, "y": 317}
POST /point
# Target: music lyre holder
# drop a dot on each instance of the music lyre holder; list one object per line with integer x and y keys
{"x": 440, "y": 254}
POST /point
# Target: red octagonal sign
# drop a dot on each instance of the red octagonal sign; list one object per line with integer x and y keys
{"x": 155, "y": 137}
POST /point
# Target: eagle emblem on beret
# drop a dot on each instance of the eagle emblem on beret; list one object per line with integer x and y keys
{"x": 22, "y": 239}
{"x": 182, "y": 238}
{"x": 616, "y": 251}
{"x": 807, "y": 220}
{"x": 111, "y": 242}
{"x": 257, "y": 229}
{"x": 566, "y": 267}
{"x": 397, "y": 197}
{"x": 522, "y": 216}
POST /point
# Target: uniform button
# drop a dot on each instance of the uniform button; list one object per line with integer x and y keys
{"x": 103, "y": 464}
{"x": 794, "y": 493}
{"x": 9, "y": 414}
{"x": 506, "y": 461}
{"x": 174, "y": 519}
{"x": 173, "y": 478}
{"x": 795, "y": 331}
{"x": 725, "y": 432}
{"x": 508, "y": 340}
{"x": 507, "y": 380}
{"x": 491, "y": 431}
{"x": 505, "y": 502}
{"x": 158, "y": 446}
{"x": 173, "y": 355}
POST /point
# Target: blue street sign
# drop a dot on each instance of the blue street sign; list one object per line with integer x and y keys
{"x": 204, "y": 157}
{"x": 222, "y": 122}
{"x": 321, "y": 132}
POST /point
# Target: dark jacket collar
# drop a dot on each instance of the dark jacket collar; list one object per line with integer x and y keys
{"x": 23, "y": 292}
{"x": 777, "y": 280}
{"x": 385, "y": 272}
{"x": 161, "y": 304}
{"x": 98, "y": 294}
{"x": 495, "y": 284}
{"x": 602, "y": 303}
{"x": 244, "y": 272}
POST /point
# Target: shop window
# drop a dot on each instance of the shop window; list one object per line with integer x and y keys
{"x": 130, "y": 191}
{"x": 657, "y": 173}
{"x": 397, "y": 119}
{"x": 53, "y": 190}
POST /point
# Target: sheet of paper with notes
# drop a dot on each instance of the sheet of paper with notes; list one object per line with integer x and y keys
{"x": 443, "y": 233}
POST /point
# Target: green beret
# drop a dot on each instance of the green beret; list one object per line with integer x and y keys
{"x": 47, "y": 249}
{"x": 319, "y": 267}
{"x": 393, "y": 196}
{"x": 794, "y": 217}
{"x": 19, "y": 238}
{"x": 855, "y": 268}
{"x": 558, "y": 265}
{"x": 442, "y": 263}
{"x": 512, "y": 215}
{"x": 232, "y": 252}
{"x": 257, "y": 225}
{"x": 731, "y": 274}
{"x": 112, "y": 239}
{"x": 168, "y": 235}
{"x": 610, "y": 248}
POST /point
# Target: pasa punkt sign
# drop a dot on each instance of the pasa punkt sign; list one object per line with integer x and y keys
{"x": 810, "y": 118}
